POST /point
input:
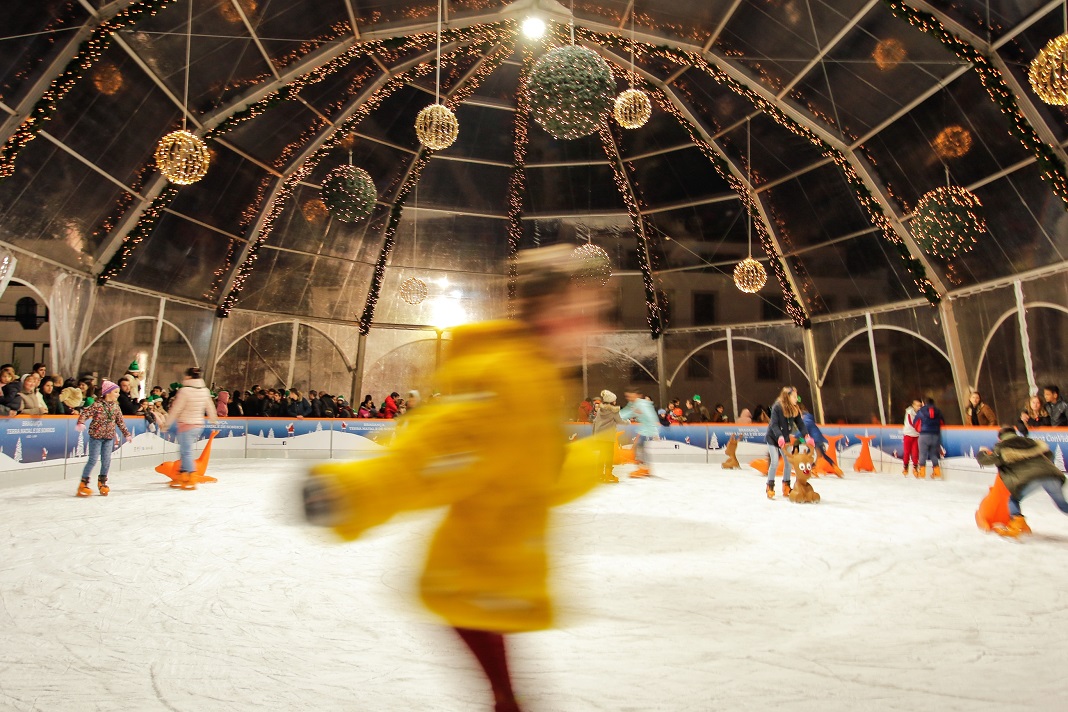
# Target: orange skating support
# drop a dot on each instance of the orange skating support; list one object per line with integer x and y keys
{"x": 171, "y": 469}
{"x": 864, "y": 463}
{"x": 762, "y": 464}
{"x": 994, "y": 509}
{"x": 620, "y": 455}
{"x": 822, "y": 468}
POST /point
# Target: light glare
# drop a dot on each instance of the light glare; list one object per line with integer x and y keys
{"x": 534, "y": 28}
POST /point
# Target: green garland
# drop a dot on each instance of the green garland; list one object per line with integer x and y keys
{"x": 144, "y": 226}
{"x": 517, "y": 184}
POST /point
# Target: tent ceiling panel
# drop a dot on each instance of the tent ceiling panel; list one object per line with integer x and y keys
{"x": 306, "y": 226}
{"x": 441, "y": 241}
{"x": 230, "y": 181}
{"x": 681, "y": 175}
{"x": 572, "y": 189}
{"x": 21, "y": 57}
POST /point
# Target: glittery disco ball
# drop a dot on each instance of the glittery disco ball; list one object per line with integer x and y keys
{"x": 1049, "y": 72}
{"x": 182, "y": 157}
{"x": 953, "y": 142}
{"x": 948, "y": 221}
{"x": 413, "y": 290}
{"x": 632, "y": 109}
{"x": 569, "y": 89}
{"x": 437, "y": 127}
{"x": 749, "y": 276}
{"x": 888, "y": 54}
{"x": 592, "y": 265}
{"x": 349, "y": 193}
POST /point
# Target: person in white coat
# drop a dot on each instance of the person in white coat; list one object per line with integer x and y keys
{"x": 190, "y": 407}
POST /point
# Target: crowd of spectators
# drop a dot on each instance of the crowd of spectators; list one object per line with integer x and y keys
{"x": 677, "y": 412}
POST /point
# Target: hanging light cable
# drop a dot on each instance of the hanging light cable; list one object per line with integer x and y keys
{"x": 1049, "y": 69}
{"x": 182, "y": 156}
{"x": 436, "y": 125}
{"x": 633, "y": 107}
{"x": 749, "y": 274}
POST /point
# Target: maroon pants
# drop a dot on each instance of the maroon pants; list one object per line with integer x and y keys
{"x": 912, "y": 450}
{"x": 488, "y": 648}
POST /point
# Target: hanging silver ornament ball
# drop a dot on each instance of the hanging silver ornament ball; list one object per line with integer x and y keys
{"x": 632, "y": 109}
{"x": 749, "y": 276}
{"x": 413, "y": 290}
{"x": 436, "y": 127}
{"x": 182, "y": 157}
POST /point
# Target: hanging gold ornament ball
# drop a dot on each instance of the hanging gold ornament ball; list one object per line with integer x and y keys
{"x": 230, "y": 14}
{"x": 1049, "y": 72}
{"x": 633, "y": 109}
{"x": 948, "y": 221}
{"x": 749, "y": 276}
{"x": 314, "y": 210}
{"x": 888, "y": 54}
{"x": 437, "y": 127}
{"x": 182, "y": 157}
{"x": 413, "y": 290}
{"x": 953, "y": 142}
{"x": 593, "y": 266}
{"x": 107, "y": 78}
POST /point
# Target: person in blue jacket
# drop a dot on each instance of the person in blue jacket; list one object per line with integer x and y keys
{"x": 817, "y": 437}
{"x": 641, "y": 409}
{"x": 785, "y": 419}
{"x": 928, "y": 422}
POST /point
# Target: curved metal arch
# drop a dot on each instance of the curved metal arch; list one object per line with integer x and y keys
{"x": 750, "y": 339}
{"x": 311, "y": 326}
{"x": 397, "y": 348}
{"x": 1001, "y": 320}
{"x": 877, "y": 327}
{"x": 138, "y": 318}
{"x": 609, "y": 349}
{"x": 689, "y": 355}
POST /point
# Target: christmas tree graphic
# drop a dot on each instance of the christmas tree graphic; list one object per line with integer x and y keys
{"x": 1058, "y": 459}
{"x": 971, "y": 452}
{"x": 713, "y": 444}
{"x": 18, "y": 450}
{"x": 79, "y": 449}
{"x": 270, "y": 434}
{"x": 319, "y": 427}
{"x": 261, "y": 432}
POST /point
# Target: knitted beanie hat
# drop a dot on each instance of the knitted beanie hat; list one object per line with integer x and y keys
{"x": 608, "y": 396}
{"x": 108, "y": 387}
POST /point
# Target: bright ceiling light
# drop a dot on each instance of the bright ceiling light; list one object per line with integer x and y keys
{"x": 534, "y": 28}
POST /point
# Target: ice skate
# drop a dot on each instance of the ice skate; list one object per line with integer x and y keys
{"x": 1018, "y": 524}
{"x": 609, "y": 478}
{"x": 83, "y": 489}
{"x": 771, "y": 492}
{"x": 905, "y": 471}
{"x": 936, "y": 473}
{"x": 640, "y": 472}
{"x": 921, "y": 472}
{"x": 786, "y": 490}
{"x": 102, "y": 487}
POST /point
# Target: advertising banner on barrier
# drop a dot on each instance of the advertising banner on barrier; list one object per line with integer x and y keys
{"x": 28, "y": 441}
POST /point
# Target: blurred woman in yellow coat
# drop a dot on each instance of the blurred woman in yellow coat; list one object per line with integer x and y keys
{"x": 498, "y": 469}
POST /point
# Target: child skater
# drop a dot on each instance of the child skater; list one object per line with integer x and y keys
{"x": 641, "y": 409}
{"x": 105, "y": 416}
{"x": 1025, "y": 466}
{"x": 817, "y": 437}
{"x": 486, "y": 573}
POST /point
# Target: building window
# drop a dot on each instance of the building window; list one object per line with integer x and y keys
{"x": 699, "y": 366}
{"x": 862, "y": 374}
{"x": 773, "y": 308}
{"x": 640, "y": 375}
{"x": 768, "y": 368}
{"x": 704, "y": 308}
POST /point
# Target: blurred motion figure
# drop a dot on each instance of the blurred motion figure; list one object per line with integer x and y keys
{"x": 486, "y": 571}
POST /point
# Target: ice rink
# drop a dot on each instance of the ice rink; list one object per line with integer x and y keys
{"x": 687, "y": 591}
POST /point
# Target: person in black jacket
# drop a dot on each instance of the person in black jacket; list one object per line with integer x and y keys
{"x": 128, "y": 402}
{"x": 784, "y": 420}
{"x": 1025, "y": 466}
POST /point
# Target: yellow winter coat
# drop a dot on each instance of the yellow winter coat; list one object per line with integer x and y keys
{"x": 497, "y": 467}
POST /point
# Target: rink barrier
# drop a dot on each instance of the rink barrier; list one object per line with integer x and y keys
{"x": 44, "y": 448}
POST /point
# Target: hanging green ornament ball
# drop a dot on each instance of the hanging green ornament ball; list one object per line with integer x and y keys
{"x": 349, "y": 193}
{"x": 569, "y": 89}
{"x": 948, "y": 221}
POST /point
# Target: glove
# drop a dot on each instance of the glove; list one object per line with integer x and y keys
{"x": 782, "y": 442}
{"x": 810, "y": 442}
{"x": 320, "y": 502}
{"x": 80, "y": 427}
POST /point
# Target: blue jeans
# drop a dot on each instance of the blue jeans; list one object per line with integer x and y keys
{"x": 930, "y": 448}
{"x": 773, "y": 466}
{"x": 99, "y": 450}
{"x": 1053, "y": 488}
{"x": 187, "y": 440}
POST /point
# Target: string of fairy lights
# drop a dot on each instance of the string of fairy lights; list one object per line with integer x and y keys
{"x": 568, "y": 91}
{"x": 517, "y": 183}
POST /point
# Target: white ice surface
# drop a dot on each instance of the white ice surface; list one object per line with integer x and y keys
{"x": 687, "y": 591}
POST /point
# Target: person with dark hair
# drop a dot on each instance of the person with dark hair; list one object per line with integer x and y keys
{"x": 389, "y": 406}
{"x": 1025, "y": 466}
{"x": 191, "y": 406}
{"x": 979, "y": 413}
{"x": 128, "y": 401}
{"x": 366, "y": 408}
{"x": 41, "y": 370}
{"x": 1057, "y": 408}
{"x": 785, "y": 419}
{"x": 51, "y": 397}
{"x": 486, "y": 573}
{"x": 928, "y": 422}
{"x": 818, "y": 437}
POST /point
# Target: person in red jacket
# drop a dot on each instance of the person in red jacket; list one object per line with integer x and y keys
{"x": 390, "y": 407}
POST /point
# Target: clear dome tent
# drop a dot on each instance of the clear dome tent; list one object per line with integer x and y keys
{"x": 824, "y": 123}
